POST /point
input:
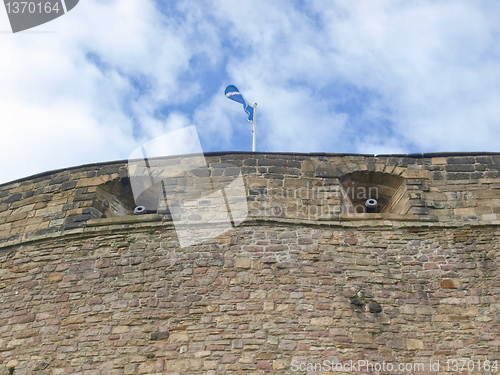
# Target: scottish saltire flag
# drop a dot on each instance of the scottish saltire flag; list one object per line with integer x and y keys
{"x": 234, "y": 94}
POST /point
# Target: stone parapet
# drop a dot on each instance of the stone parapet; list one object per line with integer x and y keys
{"x": 309, "y": 187}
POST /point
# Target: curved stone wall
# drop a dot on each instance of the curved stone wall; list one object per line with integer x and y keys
{"x": 86, "y": 288}
{"x": 437, "y": 187}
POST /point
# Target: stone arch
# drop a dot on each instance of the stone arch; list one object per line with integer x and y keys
{"x": 114, "y": 198}
{"x": 389, "y": 190}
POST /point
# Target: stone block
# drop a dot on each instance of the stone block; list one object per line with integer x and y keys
{"x": 328, "y": 171}
{"x": 92, "y": 181}
{"x": 459, "y": 168}
{"x": 279, "y": 365}
{"x": 450, "y": 283}
{"x": 179, "y": 337}
{"x": 12, "y": 363}
{"x": 362, "y": 338}
{"x": 287, "y": 345}
{"x": 271, "y": 162}
{"x": 284, "y": 171}
{"x": 416, "y": 174}
{"x": 413, "y": 344}
{"x": 54, "y": 278}
{"x": 374, "y": 307}
{"x": 307, "y": 167}
{"x": 264, "y": 365}
{"x": 243, "y": 262}
{"x": 439, "y": 161}
{"x": 460, "y": 160}
{"x": 468, "y": 211}
{"x": 322, "y": 321}
{"x": 458, "y": 176}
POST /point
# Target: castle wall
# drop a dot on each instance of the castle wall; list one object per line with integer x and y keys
{"x": 85, "y": 289}
{"x": 294, "y": 186}
{"x": 251, "y": 301}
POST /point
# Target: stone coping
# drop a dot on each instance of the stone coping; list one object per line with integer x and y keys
{"x": 220, "y": 153}
{"x": 383, "y": 216}
{"x": 107, "y": 226}
{"x": 131, "y": 219}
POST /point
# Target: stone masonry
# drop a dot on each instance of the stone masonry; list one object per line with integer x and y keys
{"x": 86, "y": 287}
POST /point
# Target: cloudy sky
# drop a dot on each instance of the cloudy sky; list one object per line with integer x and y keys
{"x": 329, "y": 76}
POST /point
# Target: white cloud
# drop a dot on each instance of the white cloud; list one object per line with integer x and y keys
{"x": 60, "y": 108}
{"x": 427, "y": 65}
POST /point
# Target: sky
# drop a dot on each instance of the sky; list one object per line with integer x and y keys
{"x": 337, "y": 76}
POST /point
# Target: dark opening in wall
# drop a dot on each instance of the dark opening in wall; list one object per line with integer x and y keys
{"x": 388, "y": 190}
{"x": 115, "y": 198}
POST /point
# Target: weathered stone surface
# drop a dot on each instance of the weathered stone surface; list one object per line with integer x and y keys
{"x": 324, "y": 321}
{"x": 160, "y": 335}
{"x": 12, "y": 363}
{"x": 300, "y": 189}
{"x": 179, "y": 337}
{"x": 450, "y": 283}
{"x": 54, "y": 278}
{"x": 117, "y": 295}
{"x": 374, "y": 307}
{"x": 243, "y": 262}
{"x": 247, "y": 333}
{"x": 288, "y": 345}
{"x": 413, "y": 344}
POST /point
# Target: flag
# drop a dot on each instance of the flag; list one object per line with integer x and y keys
{"x": 234, "y": 94}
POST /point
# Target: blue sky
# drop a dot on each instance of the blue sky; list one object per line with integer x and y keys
{"x": 328, "y": 76}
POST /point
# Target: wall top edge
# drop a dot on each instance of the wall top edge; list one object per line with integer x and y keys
{"x": 222, "y": 153}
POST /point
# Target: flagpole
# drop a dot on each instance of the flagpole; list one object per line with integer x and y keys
{"x": 254, "y": 120}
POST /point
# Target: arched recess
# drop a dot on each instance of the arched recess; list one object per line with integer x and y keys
{"x": 114, "y": 198}
{"x": 389, "y": 190}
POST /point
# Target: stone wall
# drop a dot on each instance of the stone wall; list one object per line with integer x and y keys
{"x": 88, "y": 288}
{"x": 450, "y": 188}
{"x": 132, "y": 302}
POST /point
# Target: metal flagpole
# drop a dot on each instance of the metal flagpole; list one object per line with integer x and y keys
{"x": 254, "y": 120}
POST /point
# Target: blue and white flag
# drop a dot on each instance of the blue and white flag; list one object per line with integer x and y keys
{"x": 234, "y": 94}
